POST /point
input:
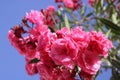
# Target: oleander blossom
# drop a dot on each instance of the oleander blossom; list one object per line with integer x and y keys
{"x": 35, "y": 17}
{"x": 63, "y": 52}
{"x": 49, "y": 14}
{"x": 58, "y": 54}
{"x": 71, "y": 4}
{"x": 68, "y": 3}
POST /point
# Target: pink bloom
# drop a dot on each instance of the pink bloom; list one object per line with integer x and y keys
{"x": 88, "y": 63}
{"x": 29, "y": 46}
{"x": 99, "y": 44}
{"x": 51, "y": 9}
{"x": 50, "y": 71}
{"x": 63, "y": 52}
{"x": 38, "y": 30}
{"x": 35, "y": 17}
{"x": 16, "y": 42}
{"x": 49, "y": 13}
{"x": 95, "y": 44}
{"x": 44, "y": 42}
{"x": 91, "y": 2}
{"x": 80, "y": 37}
{"x": 62, "y": 33}
{"x": 31, "y": 68}
{"x": 71, "y": 4}
{"x": 25, "y": 45}
{"x": 68, "y": 3}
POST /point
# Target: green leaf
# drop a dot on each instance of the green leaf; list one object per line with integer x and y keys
{"x": 114, "y": 17}
{"x": 68, "y": 10}
{"x": 59, "y": 15}
{"x": 114, "y": 27}
{"x": 67, "y": 23}
{"x": 115, "y": 63}
{"x": 83, "y": 11}
{"x": 107, "y": 34}
{"x": 89, "y": 14}
{"x": 35, "y": 60}
{"x": 115, "y": 74}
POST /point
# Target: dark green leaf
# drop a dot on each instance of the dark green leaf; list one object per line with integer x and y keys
{"x": 115, "y": 74}
{"x": 59, "y": 15}
{"x": 109, "y": 24}
{"x": 115, "y": 63}
{"x": 35, "y": 60}
{"x": 88, "y": 15}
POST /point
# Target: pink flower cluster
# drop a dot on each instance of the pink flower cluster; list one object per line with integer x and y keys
{"x": 45, "y": 16}
{"x": 49, "y": 14}
{"x": 71, "y": 4}
{"x": 59, "y": 55}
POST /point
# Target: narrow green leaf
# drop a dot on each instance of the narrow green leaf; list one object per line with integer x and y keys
{"x": 53, "y": 20}
{"x": 59, "y": 15}
{"x": 89, "y": 14}
{"x": 114, "y": 17}
{"x": 68, "y": 10}
{"x": 116, "y": 63}
{"x": 114, "y": 27}
{"x": 83, "y": 11}
{"x": 107, "y": 34}
{"x": 67, "y": 23}
{"x": 115, "y": 74}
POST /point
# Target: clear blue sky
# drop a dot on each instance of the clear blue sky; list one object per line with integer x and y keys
{"x": 12, "y": 65}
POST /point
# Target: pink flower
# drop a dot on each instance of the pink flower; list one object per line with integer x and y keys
{"x": 62, "y": 33}
{"x": 35, "y": 17}
{"x": 90, "y": 50}
{"x": 60, "y": 53}
{"x": 50, "y": 71}
{"x": 44, "y": 42}
{"x": 71, "y": 4}
{"x": 25, "y": 45}
{"x": 91, "y": 2}
{"x": 99, "y": 44}
{"x": 38, "y": 30}
{"x": 31, "y": 68}
{"x": 68, "y": 3}
{"x": 51, "y": 9}
{"x": 80, "y": 37}
{"x": 88, "y": 62}
{"x": 16, "y": 42}
{"x": 49, "y": 14}
{"x": 63, "y": 52}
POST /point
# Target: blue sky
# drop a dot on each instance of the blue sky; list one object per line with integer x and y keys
{"x": 12, "y": 65}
